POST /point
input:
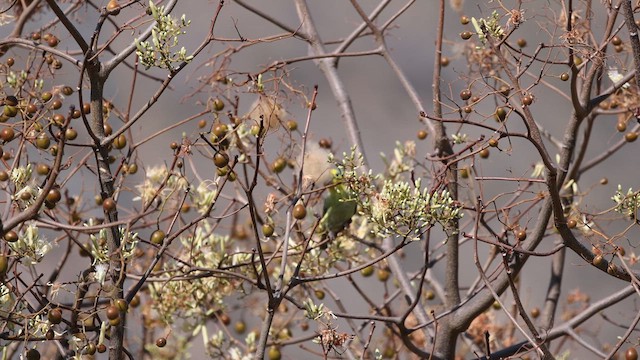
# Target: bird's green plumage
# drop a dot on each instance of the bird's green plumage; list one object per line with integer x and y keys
{"x": 339, "y": 208}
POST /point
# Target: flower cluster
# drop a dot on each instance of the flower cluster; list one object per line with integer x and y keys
{"x": 164, "y": 37}
{"x": 398, "y": 207}
{"x": 406, "y": 209}
{"x": 30, "y": 246}
{"x": 403, "y": 159}
{"x": 100, "y": 251}
{"x": 628, "y": 203}
{"x": 153, "y": 184}
{"x": 491, "y": 25}
{"x": 196, "y": 298}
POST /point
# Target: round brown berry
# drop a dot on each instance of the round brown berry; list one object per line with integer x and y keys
{"x": 43, "y": 141}
{"x": 52, "y": 41}
{"x": 58, "y": 119}
{"x": 67, "y": 90}
{"x": 278, "y": 165}
{"x": 631, "y": 354}
{"x": 122, "y": 305}
{"x": 157, "y": 237}
{"x": 220, "y": 130}
{"x": 368, "y": 271}
{"x": 108, "y": 204}
{"x": 267, "y": 230}
{"x": 597, "y": 260}
{"x": 616, "y": 41}
{"x": 535, "y": 312}
{"x": 218, "y": 104}
{"x": 120, "y": 142}
{"x": 292, "y": 125}
{"x": 11, "y": 236}
{"x": 299, "y": 211}
{"x": 135, "y": 302}
{"x": 113, "y": 7}
{"x": 42, "y": 169}
{"x": 54, "y": 316}
{"x": 112, "y": 312}
{"x": 383, "y": 274}
{"x": 133, "y": 168}
{"x": 108, "y": 130}
{"x": 464, "y": 172}
{"x": 430, "y": 295}
{"x": 70, "y": 134}
{"x": 240, "y": 327}
{"x": 274, "y": 353}
{"x": 10, "y": 111}
{"x": 54, "y": 196}
{"x": 500, "y": 114}
{"x": 325, "y": 143}
{"x": 221, "y": 159}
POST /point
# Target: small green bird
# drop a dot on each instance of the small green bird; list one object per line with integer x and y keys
{"x": 339, "y": 207}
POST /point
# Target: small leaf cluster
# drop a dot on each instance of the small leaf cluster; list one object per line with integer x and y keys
{"x": 628, "y": 203}
{"x": 99, "y": 248}
{"x": 316, "y": 312}
{"x": 164, "y": 37}
{"x": 30, "y": 246}
{"x": 196, "y": 298}
{"x": 406, "y": 209}
{"x": 398, "y": 207}
{"x": 491, "y": 25}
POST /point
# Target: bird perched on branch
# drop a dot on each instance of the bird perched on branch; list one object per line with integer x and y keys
{"x": 339, "y": 207}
